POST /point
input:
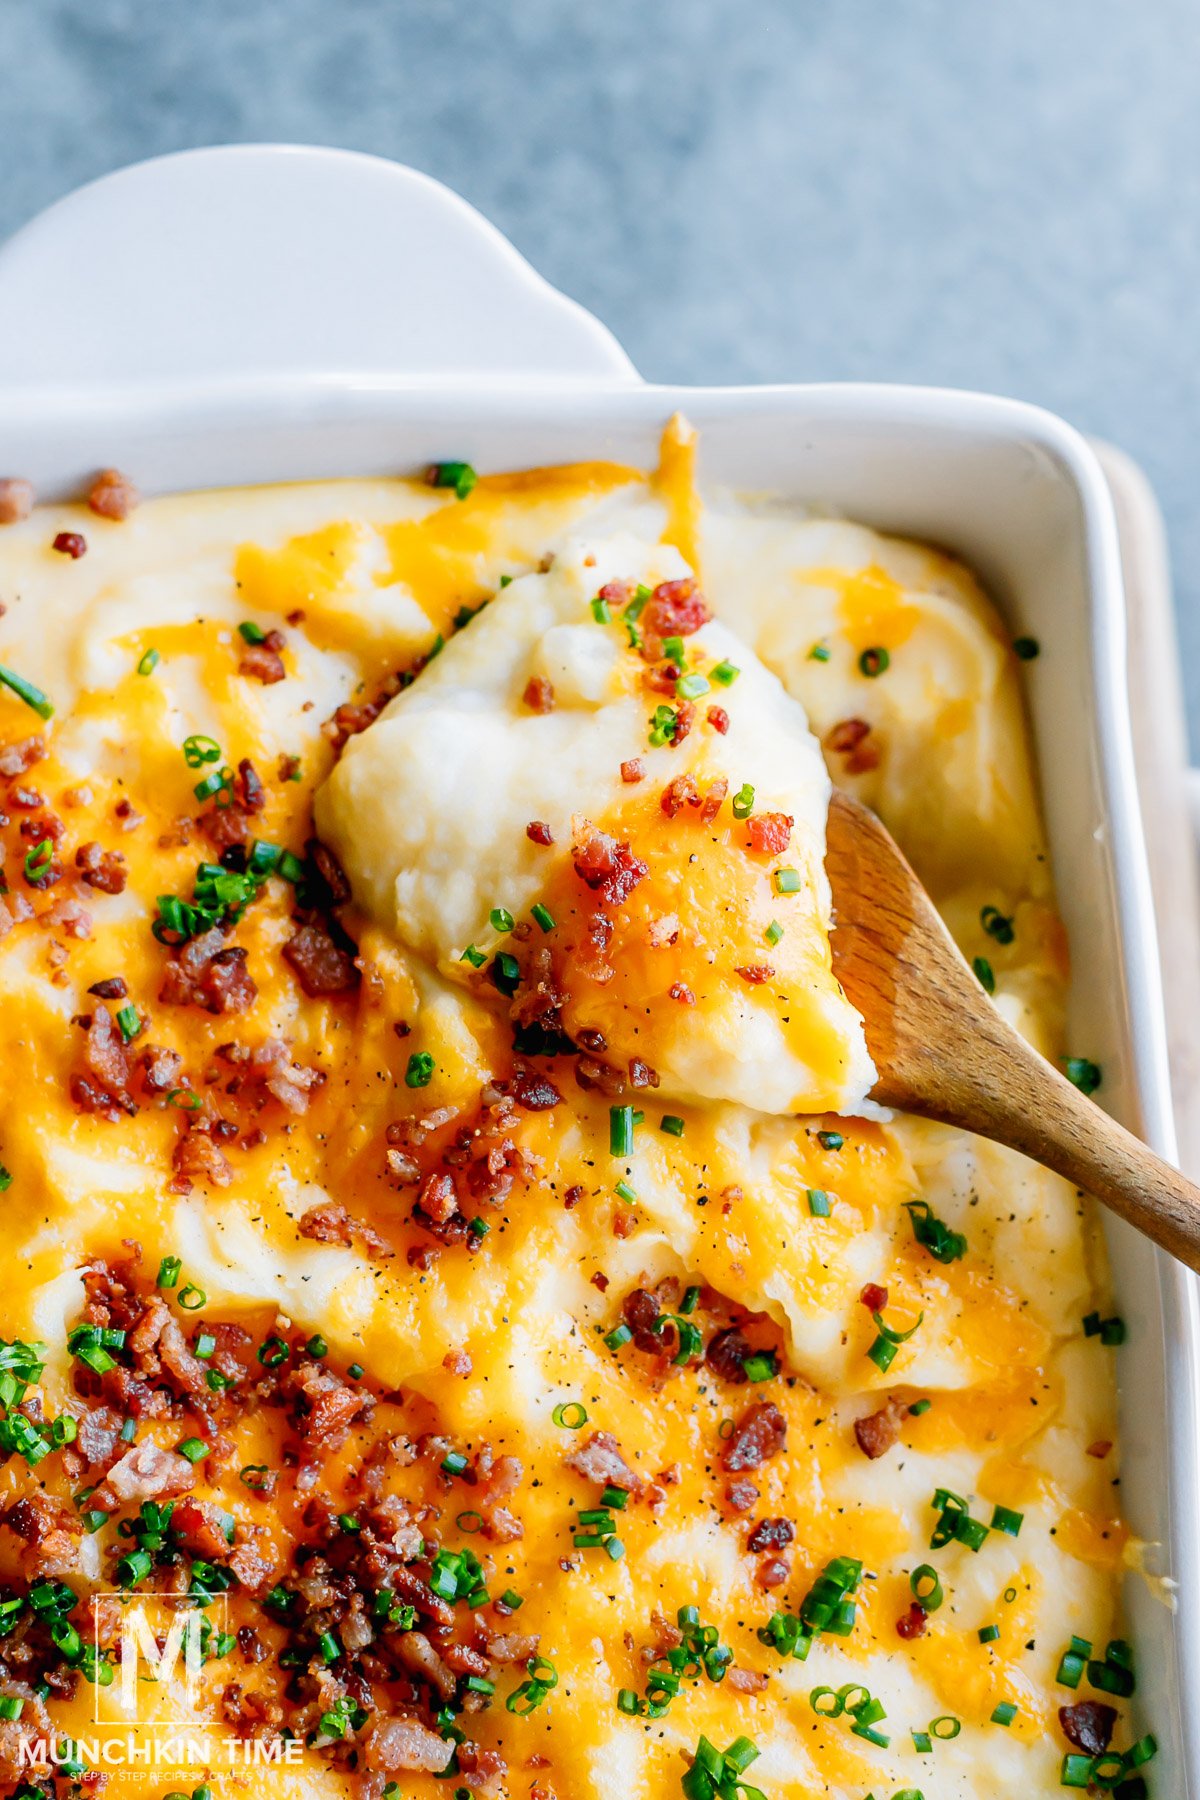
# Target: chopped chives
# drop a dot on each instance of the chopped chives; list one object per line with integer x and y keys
{"x": 760, "y": 1367}
{"x": 1109, "y": 1331}
{"x": 475, "y": 957}
{"x": 601, "y": 611}
{"x": 918, "y": 1408}
{"x": 457, "y": 475}
{"x": 690, "y": 1301}
{"x": 1085, "y": 1075}
{"x": 625, "y": 1192}
{"x": 252, "y": 633}
{"x": 725, "y": 672}
{"x": 149, "y": 662}
{"x": 787, "y": 881}
{"x": 926, "y": 1587}
{"x": 542, "y": 916}
{"x": 192, "y": 1298}
{"x": 1004, "y": 1713}
{"x": 830, "y": 1140}
{"x": 672, "y": 1124}
{"x": 419, "y": 1072}
{"x": 512, "y": 1599}
{"x": 997, "y": 925}
{"x": 984, "y": 974}
{"x": 453, "y": 1463}
{"x": 615, "y": 1498}
{"x": 616, "y": 1338}
{"x": 6, "y": 1179}
{"x": 874, "y": 661}
{"x": 690, "y": 687}
{"x": 129, "y": 1020}
{"x": 819, "y": 653}
{"x": 1007, "y": 1521}
{"x": 774, "y": 932}
{"x": 570, "y": 1415}
{"x": 26, "y": 691}
{"x": 505, "y": 972}
{"x": 988, "y": 1634}
{"x": 501, "y": 919}
{"x": 620, "y": 1130}
{"x": 356, "y": 1371}
{"x": 743, "y": 801}
{"x": 818, "y": 1203}
{"x": 194, "y": 1448}
{"x": 169, "y": 1271}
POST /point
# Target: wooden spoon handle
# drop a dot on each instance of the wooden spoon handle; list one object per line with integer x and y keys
{"x": 1028, "y": 1105}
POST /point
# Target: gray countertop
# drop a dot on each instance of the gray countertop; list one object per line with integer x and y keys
{"x": 1001, "y": 196}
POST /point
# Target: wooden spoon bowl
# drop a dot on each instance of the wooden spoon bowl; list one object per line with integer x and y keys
{"x": 941, "y": 1049}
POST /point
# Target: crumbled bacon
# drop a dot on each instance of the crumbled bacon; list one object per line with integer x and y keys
{"x": 747, "y": 1681}
{"x": 878, "y": 1431}
{"x": 538, "y": 832}
{"x": 19, "y": 758}
{"x": 323, "y": 965}
{"x": 633, "y": 771}
{"x": 67, "y": 916}
{"x": 16, "y": 500}
{"x": 1088, "y": 1724}
{"x": 398, "y": 1746}
{"x": 70, "y": 543}
{"x": 678, "y": 793}
{"x": 680, "y": 992}
{"x": 674, "y": 609}
{"x": 160, "y": 1069}
{"x": 771, "y": 1534}
{"x": 741, "y": 1495}
{"x": 199, "y": 1526}
{"x": 106, "y": 1061}
{"x": 759, "y": 1434}
{"x": 912, "y": 1623}
{"x": 113, "y": 495}
{"x": 874, "y": 1297}
{"x": 271, "y": 1065}
{"x": 641, "y": 1312}
{"x": 263, "y": 661}
{"x": 607, "y": 867}
{"x": 144, "y": 1473}
{"x": 208, "y": 973}
{"x": 726, "y": 1355}
{"x": 755, "y": 973}
{"x": 330, "y": 873}
{"x": 51, "y": 1531}
{"x": 718, "y": 718}
{"x": 329, "y": 1223}
{"x": 539, "y": 694}
{"x": 322, "y": 1408}
{"x": 197, "y": 1158}
{"x": 533, "y": 1091}
{"x": 769, "y": 833}
{"x": 103, "y": 870}
{"x": 848, "y": 739}
{"x": 599, "y": 1459}
{"x": 773, "y": 1571}
{"x": 113, "y": 987}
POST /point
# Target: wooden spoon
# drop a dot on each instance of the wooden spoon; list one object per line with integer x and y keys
{"x": 941, "y": 1048}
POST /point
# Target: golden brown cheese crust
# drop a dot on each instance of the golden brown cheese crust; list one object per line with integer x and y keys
{"x": 431, "y": 1295}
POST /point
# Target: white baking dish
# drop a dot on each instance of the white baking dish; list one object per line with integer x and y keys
{"x": 263, "y": 314}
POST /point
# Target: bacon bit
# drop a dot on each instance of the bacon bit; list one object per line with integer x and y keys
{"x": 114, "y": 987}
{"x": 401, "y": 1168}
{"x": 144, "y": 1473}
{"x": 539, "y": 694}
{"x": 741, "y": 1495}
{"x": 874, "y": 1297}
{"x": 599, "y": 1459}
{"x": 263, "y": 661}
{"x": 606, "y": 866}
{"x": 755, "y": 973}
{"x": 208, "y": 973}
{"x": 641, "y": 1075}
{"x": 533, "y": 1091}
{"x": 105, "y": 1059}
{"x": 51, "y": 1531}
{"x": 633, "y": 771}
{"x": 19, "y": 758}
{"x": 197, "y": 1158}
{"x": 160, "y": 1067}
{"x": 600, "y": 1281}
{"x": 336, "y": 882}
{"x": 664, "y": 932}
{"x": 913, "y": 1623}
{"x": 760, "y": 1434}
{"x": 1099, "y": 1449}
{"x": 397, "y": 1746}
{"x": 714, "y": 800}
{"x": 617, "y": 593}
{"x": 769, "y": 833}
{"x": 200, "y": 1527}
{"x": 726, "y": 1355}
{"x": 685, "y": 716}
{"x": 747, "y": 1681}
{"x": 1088, "y": 1725}
{"x": 289, "y": 766}
{"x": 16, "y": 500}
{"x": 538, "y": 832}
{"x": 878, "y": 1431}
{"x": 113, "y": 495}
{"x": 684, "y": 995}
{"x": 103, "y": 870}
{"x": 678, "y": 793}
{"x": 718, "y": 718}
{"x": 329, "y": 1223}
{"x": 771, "y": 1534}
{"x": 67, "y": 916}
{"x": 27, "y": 799}
{"x": 675, "y": 609}
{"x": 457, "y": 1362}
{"x": 641, "y": 1312}
{"x": 70, "y": 543}
{"x": 773, "y": 1572}
{"x": 323, "y": 966}
{"x": 849, "y": 739}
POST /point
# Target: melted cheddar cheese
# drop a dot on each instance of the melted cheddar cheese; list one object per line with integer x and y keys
{"x": 431, "y": 1106}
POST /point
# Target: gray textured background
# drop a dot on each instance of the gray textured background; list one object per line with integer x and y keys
{"x": 997, "y": 194}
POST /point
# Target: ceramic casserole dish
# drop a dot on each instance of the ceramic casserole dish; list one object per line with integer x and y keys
{"x": 269, "y": 314}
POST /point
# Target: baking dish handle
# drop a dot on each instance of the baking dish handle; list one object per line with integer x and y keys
{"x": 274, "y": 259}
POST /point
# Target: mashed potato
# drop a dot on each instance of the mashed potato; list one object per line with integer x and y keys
{"x": 449, "y": 1237}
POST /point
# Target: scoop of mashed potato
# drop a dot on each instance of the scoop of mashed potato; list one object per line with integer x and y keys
{"x": 658, "y": 847}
